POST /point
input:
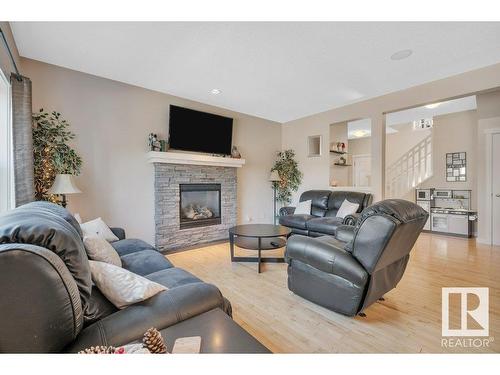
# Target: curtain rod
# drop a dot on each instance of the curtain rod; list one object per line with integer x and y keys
{"x": 18, "y": 76}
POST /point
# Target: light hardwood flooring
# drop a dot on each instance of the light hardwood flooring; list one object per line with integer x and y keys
{"x": 408, "y": 321}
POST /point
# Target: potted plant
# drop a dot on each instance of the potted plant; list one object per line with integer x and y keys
{"x": 289, "y": 174}
{"x": 51, "y": 152}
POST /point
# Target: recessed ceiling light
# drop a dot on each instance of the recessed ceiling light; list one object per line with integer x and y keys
{"x": 360, "y": 133}
{"x": 400, "y": 55}
{"x": 215, "y": 91}
{"x": 433, "y": 105}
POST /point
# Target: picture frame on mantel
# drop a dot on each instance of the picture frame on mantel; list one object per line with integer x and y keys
{"x": 456, "y": 167}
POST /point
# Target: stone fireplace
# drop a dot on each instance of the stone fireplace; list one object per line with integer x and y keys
{"x": 195, "y": 198}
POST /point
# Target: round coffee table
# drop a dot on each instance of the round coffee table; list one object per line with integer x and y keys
{"x": 258, "y": 237}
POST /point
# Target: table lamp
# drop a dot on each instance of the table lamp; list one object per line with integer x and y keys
{"x": 274, "y": 177}
{"x": 63, "y": 184}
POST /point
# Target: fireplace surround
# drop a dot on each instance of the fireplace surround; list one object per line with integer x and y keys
{"x": 173, "y": 169}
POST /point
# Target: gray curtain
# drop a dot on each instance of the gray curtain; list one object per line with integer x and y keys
{"x": 23, "y": 140}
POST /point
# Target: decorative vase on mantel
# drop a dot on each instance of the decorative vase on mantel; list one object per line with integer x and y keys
{"x": 235, "y": 154}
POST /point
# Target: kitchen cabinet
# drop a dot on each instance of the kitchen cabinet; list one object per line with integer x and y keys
{"x": 439, "y": 222}
{"x": 458, "y": 224}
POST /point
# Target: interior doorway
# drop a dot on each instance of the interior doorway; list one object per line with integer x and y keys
{"x": 362, "y": 170}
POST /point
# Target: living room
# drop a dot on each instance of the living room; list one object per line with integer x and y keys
{"x": 168, "y": 194}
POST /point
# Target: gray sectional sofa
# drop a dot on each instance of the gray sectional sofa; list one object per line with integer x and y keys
{"x": 49, "y": 304}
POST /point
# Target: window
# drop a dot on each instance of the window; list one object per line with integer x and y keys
{"x": 6, "y": 156}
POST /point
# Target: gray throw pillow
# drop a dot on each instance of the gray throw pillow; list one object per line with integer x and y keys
{"x": 101, "y": 250}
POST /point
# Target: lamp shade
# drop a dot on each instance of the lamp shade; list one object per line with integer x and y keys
{"x": 63, "y": 184}
{"x": 274, "y": 176}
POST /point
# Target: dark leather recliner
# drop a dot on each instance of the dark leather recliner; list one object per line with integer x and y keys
{"x": 323, "y": 219}
{"x": 48, "y": 303}
{"x": 348, "y": 273}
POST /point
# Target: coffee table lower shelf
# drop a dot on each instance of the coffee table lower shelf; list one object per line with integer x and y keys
{"x": 252, "y": 243}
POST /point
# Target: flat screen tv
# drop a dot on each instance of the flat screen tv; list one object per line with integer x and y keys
{"x": 191, "y": 130}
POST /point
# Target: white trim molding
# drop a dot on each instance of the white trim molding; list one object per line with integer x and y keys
{"x": 7, "y": 190}
{"x": 193, "y": 159}
{"x": 487, "y": 238}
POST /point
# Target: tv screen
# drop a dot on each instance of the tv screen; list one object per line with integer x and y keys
{"x": 191, "y": 130}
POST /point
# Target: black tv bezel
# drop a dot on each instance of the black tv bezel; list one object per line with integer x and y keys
{"x": 193, "y": 150}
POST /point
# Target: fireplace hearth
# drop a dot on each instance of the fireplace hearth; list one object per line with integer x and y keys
{"x": 199, "y": 205}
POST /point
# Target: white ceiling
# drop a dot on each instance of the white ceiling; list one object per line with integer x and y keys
{"x": 278, "y": 71}
{"x": 406, "y": 117}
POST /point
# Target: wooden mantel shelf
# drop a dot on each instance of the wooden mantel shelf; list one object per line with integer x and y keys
{"x": 193, "y": 159}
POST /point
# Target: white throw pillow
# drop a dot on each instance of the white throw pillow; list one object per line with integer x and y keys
{"x": 120, "y": 286}
{"x": 101, "y": 250}
{"x": 303, "y": 208}
{"x": 98, "y": 227}
{"x": 347, "y": 208}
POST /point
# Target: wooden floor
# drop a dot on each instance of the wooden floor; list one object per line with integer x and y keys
{"x": 408, "y": 321}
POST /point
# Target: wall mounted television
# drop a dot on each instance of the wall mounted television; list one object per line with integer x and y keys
{"x": 191, "y": 130}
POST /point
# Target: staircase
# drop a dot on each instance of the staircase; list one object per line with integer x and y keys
{"x": 409, "y": 171}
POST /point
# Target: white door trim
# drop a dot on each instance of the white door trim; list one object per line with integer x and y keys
{"x": 6, "y": 146}
{"x": 488, "y": 217}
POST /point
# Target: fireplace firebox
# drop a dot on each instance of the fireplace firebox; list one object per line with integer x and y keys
{"x": 200, "y": 205}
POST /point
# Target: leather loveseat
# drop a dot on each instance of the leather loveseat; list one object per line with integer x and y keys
{"x": 323, "y": 218}
{"x": 49, "y": 304}
{"x": 348, "y": 273}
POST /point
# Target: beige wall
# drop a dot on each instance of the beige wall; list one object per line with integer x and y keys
{"x": 294, "y": 133}
{"x": 455, "y": 132}
{"x": 112, "y": 121}
{"x": 360, "y": 146}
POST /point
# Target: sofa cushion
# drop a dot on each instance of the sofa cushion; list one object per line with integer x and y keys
{"x": 160, "y": 311}
{"x": 319, "y": 200}
{"x": 130, "y": 245}
{"x": 173, "y": 277}
{"x": 295, "y": 221}
{"x": 101, "y": 307}
{"x": 333, "y": 241}
{"x": 327, "y": 255}
{"x": 56, "y": 210}
{"x": 337, "y": 198}
{"x": 345, "y": 233}
{"x": 145, "y": 262}
{"x": 326, "y": 225}
{"x": 43, "y": 228}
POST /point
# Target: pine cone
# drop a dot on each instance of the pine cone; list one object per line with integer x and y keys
{"x": 98, "y": 350}
{"x": 154, "y": 342}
